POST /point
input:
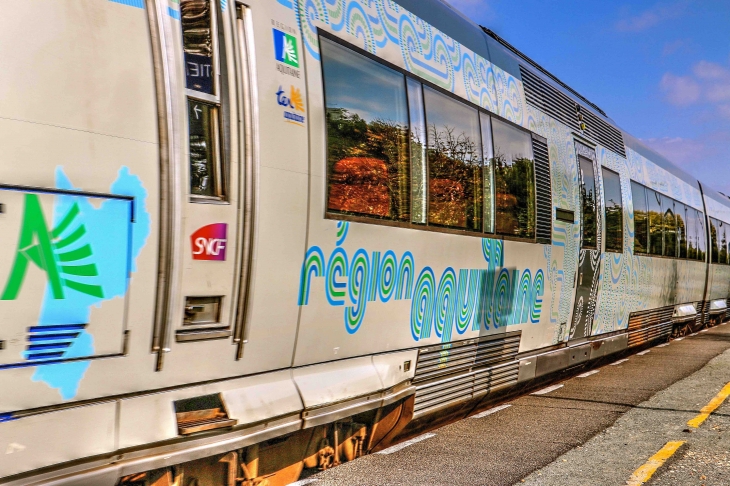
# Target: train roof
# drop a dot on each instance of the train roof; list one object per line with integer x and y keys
{"x": 491, "y": 46}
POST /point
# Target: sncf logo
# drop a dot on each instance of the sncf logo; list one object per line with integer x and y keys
{"x": 209, "y": 242}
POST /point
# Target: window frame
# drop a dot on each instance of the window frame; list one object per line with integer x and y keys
{"x": 322, "y": 34}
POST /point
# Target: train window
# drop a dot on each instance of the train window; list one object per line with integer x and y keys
{"x": 714, "y": 242}
{"x": 655, "y": 222}
{"x": 368, "y": 164}
{"x": 614, "y": 211}
{"x": 454, "y": 163}
{"x": 722, "y": 240}
{"x": 692, "y": 239}
{"x": 641, "y": 228}
{"x": 487, "y": 154}
{"x": 203, "y": 148}
{"x": 670, "y": 227}
{"x": 514, "y": 180}
{"x": 419, "y": 171}
{"x": 681, "y": 215}
{"x": 588, "y": 196}
{"x": 701, "y": 236}
{"x": 198, "y": 24}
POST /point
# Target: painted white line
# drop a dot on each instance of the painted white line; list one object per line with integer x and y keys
{"x": 693, "y": 334}
{"x": 405, "y": 444}
{"x": 303, "y": 482}
{"x": 662, "y": 345}
{"x": 490, "y": 411}
{"x": 704, "y": 330}
{"x": 679, "y": 339}
{"x": 620, "y": 361}
{"x": 588, "y": 373}
{"x": 646, "y": 351}
{"x": 547, "y": 390}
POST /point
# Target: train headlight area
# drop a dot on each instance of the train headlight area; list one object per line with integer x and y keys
{"x": 255, "y": 242}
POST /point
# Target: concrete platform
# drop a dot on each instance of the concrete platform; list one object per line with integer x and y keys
{"x": 597, "y": 428}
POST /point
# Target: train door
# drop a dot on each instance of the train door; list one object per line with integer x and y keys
{"x": 210, "y": 180}
{"x": 586, "y": 285}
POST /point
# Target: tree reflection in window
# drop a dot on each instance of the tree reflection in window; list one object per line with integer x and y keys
{"x": 588, "y": 196}
{"x": 455, "y": 163}
{"x": 670, "y": 228}
{"x": 641, "y": 229}
{"x": 656, "y": 223}
{"x": 614, "y": 211}
{"x": 367, "y": 136}
{"x": 514, "y": 181}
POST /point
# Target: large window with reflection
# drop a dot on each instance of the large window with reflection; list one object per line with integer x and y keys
{"x": 368, "y": 164}
{"x": 454, "y": 163}
{"x": 514, "y": 180}
{"x": 665, "y": 227}
{"x": 401, "y": 150}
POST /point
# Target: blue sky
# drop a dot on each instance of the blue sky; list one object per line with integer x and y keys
{"x": 661, "y": 70}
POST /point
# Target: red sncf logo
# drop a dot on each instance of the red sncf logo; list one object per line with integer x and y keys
{"x": 209, "y": 242}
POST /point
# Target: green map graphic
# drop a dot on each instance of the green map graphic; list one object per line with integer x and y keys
{"x": 45, "y": 249}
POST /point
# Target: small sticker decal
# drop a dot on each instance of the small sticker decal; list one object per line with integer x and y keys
{"x": 293, "y": 104}
{"x": 285, "y": 48}
{"x": 209, "y": 242}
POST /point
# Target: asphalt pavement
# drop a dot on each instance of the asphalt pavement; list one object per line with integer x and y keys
{"x": 597, "y": 428}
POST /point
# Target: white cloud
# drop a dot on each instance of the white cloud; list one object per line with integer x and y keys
{"x": 477, "y": 10}
{"x": 680, "y": 90}
{"x": 708, "y": 84}
{"x": 651, "y": 17}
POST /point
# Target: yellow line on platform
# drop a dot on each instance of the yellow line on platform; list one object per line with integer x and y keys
{"x": 645, "y": 472}
{"x": 710, "y": 407}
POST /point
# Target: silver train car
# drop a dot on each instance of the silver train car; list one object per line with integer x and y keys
{"x": 247, "y": 241}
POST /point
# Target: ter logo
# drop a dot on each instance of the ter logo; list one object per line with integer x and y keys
{"x": 209, "y": 242}
{"x": 285, "y": 48}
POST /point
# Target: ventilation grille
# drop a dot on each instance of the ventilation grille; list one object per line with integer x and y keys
{"x": 459, "y": 371}
{"x": 727, "y": 312}
{"x": 561, "y": 107}
{"x": 646, "y": 326}
{"x": 543, "y": 189}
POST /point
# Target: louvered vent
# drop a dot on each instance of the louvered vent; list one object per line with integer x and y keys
{"x": 543, "y": 188}
{"x": 645, "y": 326}
{"x": 560, "y": 106}
{"x": 456, "y": 372}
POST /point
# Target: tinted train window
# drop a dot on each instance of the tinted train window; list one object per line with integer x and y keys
{"x": 588, "y": 196}
{"x": 655, "y": 222}
{"x": 714, "y": 242}
{"x": 670, "y": 228}
{"x": 641, "y": 228}
{"x": 514, "y": 181}
{"x": 454, "y": 163}
{"x": 692, "y": 239}
{"x": 367, "y": 135}
{"x": 722, "y": 239}
{"x": 614, "y": 211}
{"x": 419, "y": 172}
{"x": 201, "y": 120}
{"x": 701, "y": 236}
{"x": 681, "y": 215}
{"x": 488, "y": 156}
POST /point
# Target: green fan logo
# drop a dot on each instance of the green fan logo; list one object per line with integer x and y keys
{"x": 48, "y": 250}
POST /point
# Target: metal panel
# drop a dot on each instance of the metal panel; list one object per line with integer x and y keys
{"x": 456, "y": 372}
{"x": 649, "y": 325}
{"x": 550, "y": 100}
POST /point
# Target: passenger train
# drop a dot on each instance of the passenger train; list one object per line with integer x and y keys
{"x": 246, "y": 241}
